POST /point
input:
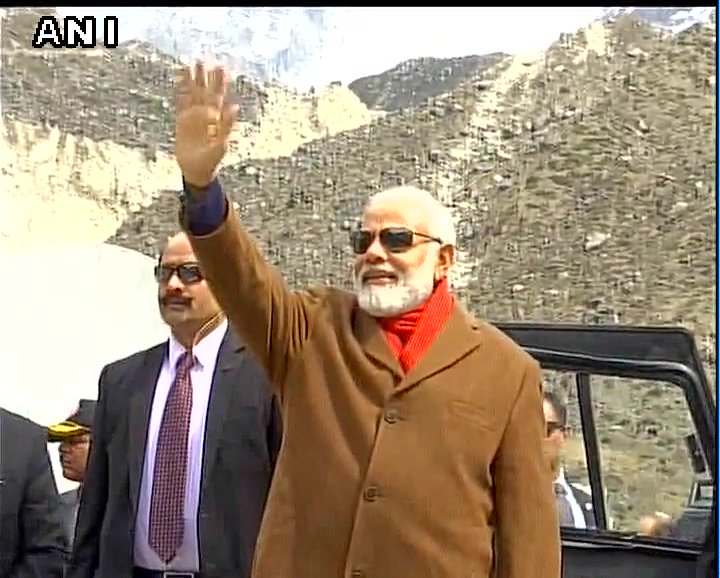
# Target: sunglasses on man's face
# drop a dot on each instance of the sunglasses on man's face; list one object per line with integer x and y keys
{"x": 188, "y": 273}
{"x": 552, "y": 426}
{"x": 392, "y": 239}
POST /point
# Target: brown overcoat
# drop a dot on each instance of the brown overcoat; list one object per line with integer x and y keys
{"x": 382, "y": 474}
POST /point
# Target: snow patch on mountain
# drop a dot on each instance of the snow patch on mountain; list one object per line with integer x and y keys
{"x": 673, "y": 19}
{"x": 305, "y": 47}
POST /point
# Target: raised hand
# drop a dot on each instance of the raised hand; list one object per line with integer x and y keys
{"x": 203, "y": 123}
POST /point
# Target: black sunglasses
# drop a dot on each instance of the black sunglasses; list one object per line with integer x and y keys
{"x": 393, "y": 239}
{"x": 552, "y": 426}
{"x": 188, "y": 273}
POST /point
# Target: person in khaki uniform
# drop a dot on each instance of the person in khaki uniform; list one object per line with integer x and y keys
{"x": 413, "y": 433}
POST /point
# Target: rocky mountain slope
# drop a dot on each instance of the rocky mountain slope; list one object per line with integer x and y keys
{"x": 77, "y": 121}
{"x": 582, "y": 179}
{"x": 570, "y": 171}
{"x": 413, "y": 82}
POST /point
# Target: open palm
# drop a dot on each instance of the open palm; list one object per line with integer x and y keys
{"x": 203, "y": 123}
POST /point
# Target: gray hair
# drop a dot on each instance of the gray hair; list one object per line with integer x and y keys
{"x": 440, "y": 219}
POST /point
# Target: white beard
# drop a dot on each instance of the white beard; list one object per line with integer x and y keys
{"x": 408, "y": 292}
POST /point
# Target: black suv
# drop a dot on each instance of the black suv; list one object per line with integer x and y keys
{"x": 646, "y": 422}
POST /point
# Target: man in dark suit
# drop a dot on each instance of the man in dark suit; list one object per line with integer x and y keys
{"x": 184, "y": 445}
{"x": 574, "y": 504}
{"x": 73, "y": 434}
{"x": 32, "y": 541}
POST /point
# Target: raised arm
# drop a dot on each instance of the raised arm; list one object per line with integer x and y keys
{"x": 528, "y": 534}
{"x": 272, "y": 320}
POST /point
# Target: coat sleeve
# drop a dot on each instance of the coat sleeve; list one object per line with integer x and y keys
{"x": 271, "y": 319}
{"x": 527, "y": 544}
{"x": 94, "y": 496}
{"x": 42, "y": 535}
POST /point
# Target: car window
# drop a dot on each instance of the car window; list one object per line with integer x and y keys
{"x": 643, "y": 427}
{"x": 566, "y": 450}
{"x": 644, "y": 431}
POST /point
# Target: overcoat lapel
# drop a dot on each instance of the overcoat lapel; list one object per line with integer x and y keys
{"x": 144, "y": 380}
{"x": 370, "y": 336}
{"x": 457, "y": 338}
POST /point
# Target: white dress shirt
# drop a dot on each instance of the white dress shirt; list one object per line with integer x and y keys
{"x": 206, "y": 352}
{"x": 578, "y": 517}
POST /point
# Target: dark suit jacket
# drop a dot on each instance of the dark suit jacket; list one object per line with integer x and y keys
{"x": 242, "y": 440}
{"x": 584, "y": 500}
{"x": 32, "y": 541}
{"x": 70, "y": 501}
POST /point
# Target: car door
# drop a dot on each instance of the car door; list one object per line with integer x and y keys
{"x": 646, "y": 421}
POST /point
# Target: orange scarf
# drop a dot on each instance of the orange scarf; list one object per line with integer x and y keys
{"x": 411, "y": 333}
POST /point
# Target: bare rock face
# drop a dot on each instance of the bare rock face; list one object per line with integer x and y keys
{"x": 412, "y": 83}
{"x": 569, "y": 171}
{"x": 97, "y": 125}
{"x": 582, "y": 178}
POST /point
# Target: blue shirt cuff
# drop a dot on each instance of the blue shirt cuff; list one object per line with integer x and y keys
{"x": 204, "y": 215}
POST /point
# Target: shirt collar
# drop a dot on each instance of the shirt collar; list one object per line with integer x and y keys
{"x": 206, "y": 349}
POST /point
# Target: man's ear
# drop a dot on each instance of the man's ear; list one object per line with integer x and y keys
{"x": 446, "y": 259}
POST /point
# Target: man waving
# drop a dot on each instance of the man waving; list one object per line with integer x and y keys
{"x": 413, "y": 443}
